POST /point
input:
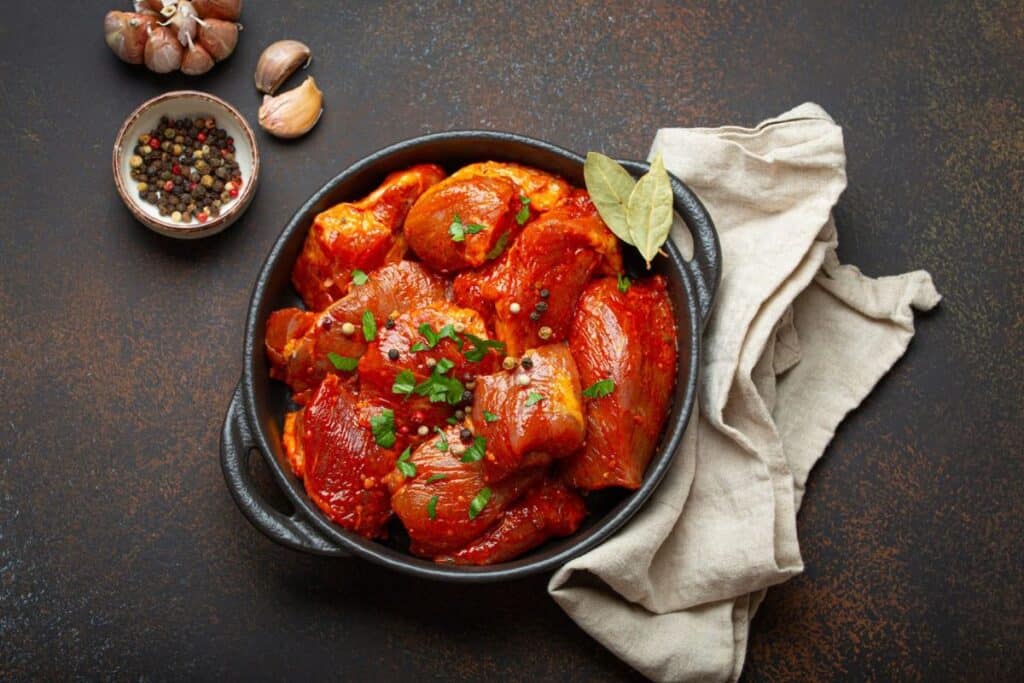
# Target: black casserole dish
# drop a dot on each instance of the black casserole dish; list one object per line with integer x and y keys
{"x": 254, "y": 418}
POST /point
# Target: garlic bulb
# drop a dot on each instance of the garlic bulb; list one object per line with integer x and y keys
{"x": 163, "y": 51}
{"x": 218, "y": 37}
{"x": 292, "y": 113}
{"x": 204, "y": 30}
{"x": 278, "y": 62}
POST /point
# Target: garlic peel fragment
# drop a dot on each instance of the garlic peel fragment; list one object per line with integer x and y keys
{"x": 279, "y": 61}
{"x": 292, "y": 113}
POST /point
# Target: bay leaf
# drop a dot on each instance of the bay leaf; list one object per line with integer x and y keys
{"x": 609, "y": 186}
{"x": 649, "y": 210}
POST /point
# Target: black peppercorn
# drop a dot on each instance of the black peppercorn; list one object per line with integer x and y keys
{"x": 542, "y": 306}
{"x": 465, "y": 435}
{"x": 393, "y": 354}
{"x": 390, "y": 324}
{"x": 467, "y": 396}
{"x": 527, "y": 363}
{"x": 544, "y": 294}
{"x": 534, "y": 316}
{"x": 168, "y": 152}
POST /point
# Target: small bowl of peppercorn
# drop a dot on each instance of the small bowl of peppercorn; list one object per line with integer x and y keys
{"x": 186, "y": 164}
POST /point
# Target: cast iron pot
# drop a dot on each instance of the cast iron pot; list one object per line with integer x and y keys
{"x": 254, "y": 418}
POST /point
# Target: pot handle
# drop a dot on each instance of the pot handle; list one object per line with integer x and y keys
{"x": 706, "y": 266}
{"x": 236, "y": 443}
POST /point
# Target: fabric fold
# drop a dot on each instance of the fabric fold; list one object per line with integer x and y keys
{"x": 794, "y": 343}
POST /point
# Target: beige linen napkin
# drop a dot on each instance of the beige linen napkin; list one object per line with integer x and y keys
{"x": 795, "y": 342}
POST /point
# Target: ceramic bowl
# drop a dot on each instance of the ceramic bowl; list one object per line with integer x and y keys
{"x": 176, "y": 105}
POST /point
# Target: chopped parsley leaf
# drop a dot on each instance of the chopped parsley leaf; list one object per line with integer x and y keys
{"x": 624, "y": 283}
{"x": 498, "y": 247}
{"x": 404, "y": 384}
{"x": 369, "y": 326}
{"x": 432, "y": 507}
{"x": 359, "y": 277}
{"x": 533, "y": 398}
{"x": 478, "y": 503}
{"x": 458, "y": 230}
{"x": 383, "y": 427}
{"x": 480, "y": 347}
{"x": 524, "y": 213}
{"x": 408, "y": 469}
{"x": 442, "y": 444}
{"x": 343, "y": 363}
{"x": 600, "y": 389}
{"x": 475, "y": 452}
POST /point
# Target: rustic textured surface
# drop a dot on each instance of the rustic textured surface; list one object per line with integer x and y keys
{"x": 121, "y": 554}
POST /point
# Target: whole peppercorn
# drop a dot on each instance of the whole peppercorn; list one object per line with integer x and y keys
{"x": 467, "y": 396}
{"x": 465, "y": 435}
{"x": 390, "y": 324}
{"x": 544, "y": 294}
{"x": 541, "y": 306}
{"x": 527, "y": 363}
{"x": 534, "y": 316}
{"x": 170, "y": 168}
{"x": 393, "y": 354}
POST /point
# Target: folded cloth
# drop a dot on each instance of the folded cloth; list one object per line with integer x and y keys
{"x": 795, "y": 342}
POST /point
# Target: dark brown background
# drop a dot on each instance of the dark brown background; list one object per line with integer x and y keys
{"x": 121, "y": 553}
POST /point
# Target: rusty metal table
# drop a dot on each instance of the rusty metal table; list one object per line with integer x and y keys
{"x": 121, "y": 553}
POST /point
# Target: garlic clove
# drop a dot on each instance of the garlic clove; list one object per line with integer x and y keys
{"x": 126, "y": 34}
{"x": 229, "y": 10}
{"x": 163, "y": 51}
{"x": 196, "y": 61}
{"x": 279, "y": 61}
{"x": 218, "y": 37}
{"x": 292, "y": 113}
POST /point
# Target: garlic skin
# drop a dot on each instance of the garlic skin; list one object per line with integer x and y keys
{"x": 196, "y": 60}
{"x": 218, "y": 37}
{"x": 126, "y": 34}
{"x": 163, "y": 51}
{"x": 292, "y": 113}
{"x": 229, "y": 10}
{"x": 279, "y": 61}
